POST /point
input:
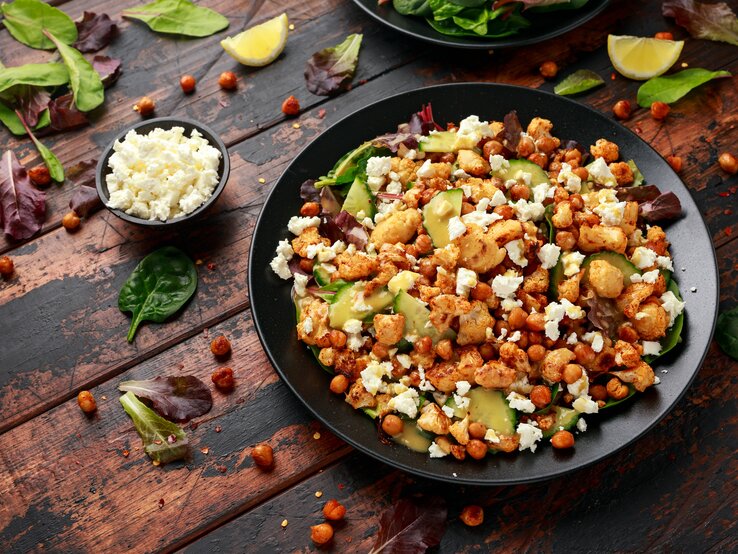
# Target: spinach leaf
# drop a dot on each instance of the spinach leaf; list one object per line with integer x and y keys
{"x": 178, "y": 17}
{"x": 442, "y": 9}
{"x": 579, "y": 81}
{"x": 14, "y": 125}
{"x": 35, "y": 74}
{"x": 674, "y": 333}
{"x": 726, "y": 333}
{"x": 413, "y": 7}
{"x": 671, "y": 88}
{"x": 28, "y": 19}
{"x": 330, "y": 70}
{"x": 85, "y": 82}
{"x": 178, "y": 397}
{"x": 612, "y": 402}
{"x": 473, "y": 19}
{"x": 468, "y": 3}
{"x": 158, "y": 287}
{"x": 163, "y": 440}
{"x": 52, "y": 162}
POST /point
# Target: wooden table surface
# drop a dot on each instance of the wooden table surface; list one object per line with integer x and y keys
{"x": 65, "y": 484}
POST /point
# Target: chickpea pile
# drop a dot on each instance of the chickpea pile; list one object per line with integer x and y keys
{"x": 499, "y": 301}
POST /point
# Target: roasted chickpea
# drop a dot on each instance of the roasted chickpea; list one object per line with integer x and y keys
{"x": 566, "y": 240}
{"x": 562, "y": 439}
{"x": 481, "y": 291}
{"x": 476, "y": 448}
{"x": 86, "y": 402}
{"x": 445, "y": 349}
{"x": 187, "y": 82}
{"x": 573, "y": 157}
{"x": 339, "y": 384}
{"x": 664, "y": 35}
{"x": 584, "y": 353}
{"x": 659, "y": 110}
{"x": 627, "y": 333}
{"x": 263, "y": 455}
{"x": 581, "y": 172}
{"x": 145, "y": 106}
{"x": 291, "y": 106}
{"x": 598, "y": 392}
{"x": 526, "y": 147}
{"x": 466, "y": 208}
{"x": 548, "y": 69}
{"x": 310, "y": 209}
{"x": 491, "y": 148}
{"x": 472, "y": 516}
{"x": 228, "y": 80}
{"x": 675, "y": 162}
{"x": 505, "y": 211}
{"x": 71, "y": 221}
{"x": 334, "y": 510}
{"x": 424, "y": 345}
{"x": 220, "y": 346}
{"x": 536, "y": 352}
{"x": 501, "y": 326}
{"x": 539, "y": 158}
{"x": 324, "y": 341}
{"x": 306, "y": 265}
{"x": 321, "y": 533}
{"x": 622, "y": 109}
{"x": 487, "y": 351}
{"x": 337, "y": 338}
{"x": 572, "y": 373}
{"x": 380, "y": 350}
{"x": 427, "y": 269}
{"x": 517, "y": 318}
{"x": 519, "y": 192}
{"x": 40, "y": 175}
{"x": 535, "y": 338}
{"x": 424, "y": 244}
{"x": 616, "y": 389}
{"x": 477, "y": 430}
{"x": 392, "y": 425}
{"x": 535, "y": 322}
{"x": 223, "y": 378}
{"x": 540, "y": 396}
{"x": 414, "y": 377}
{"x": 728, "y": 163}
{"x": 6, "y": 266}
{"x": 546, "y": 145}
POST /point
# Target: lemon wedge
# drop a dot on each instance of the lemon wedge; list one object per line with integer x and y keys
{"x": 260, "y": 45}
{"x": 641, "y": 58}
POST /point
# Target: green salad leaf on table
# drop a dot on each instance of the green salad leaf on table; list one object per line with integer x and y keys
{"x": 28, "y": 20}
{"x": 178, "y": 17}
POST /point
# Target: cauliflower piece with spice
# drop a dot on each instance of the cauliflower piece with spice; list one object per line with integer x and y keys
{"x": 389, "y": 328}
{"x": 479, "y": 251}
{"x": 398, "y": 227}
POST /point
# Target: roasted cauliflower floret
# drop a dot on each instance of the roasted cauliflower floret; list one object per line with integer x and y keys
{"x": 445, "y": 308}
{"x": 630, "y": 299}
{"x": 569, "y": 288}
{"x": 353, "y": 266}
{"x": 472, "y": 163}
{"x": 481, "y": 188}
{"x": 563, "y": 216}
{"x": 622, "y": 172}
{"x": 641, "y": 376}
{"x": 651, "y": 321}
{"x": 478, "y": 250}
{"x": 505, "y": 231}
{"x": 313, "y": 323}
{"x": 605, "y": 149}
{"x": 536, "y": 282}
{"x": 308, "y": 237}
{"x": 656, "y": 240}
{"x": 600, "y": 237}
{"x": 494, "y": 375}
{"x": 358, "y": 397}
{"x": 630, "y": 218}
{"x": 606, "y": 279}
{"x": 507, "y": 443}
{"x": 552, "y": 366}
{"x": 398, "y": 227}
{"x": 389, "y": 328}
{"x": 460, "y": 431}
{"x": 626, "y": 354}
{"x": 433, "y": 420}
{"x": 515, "y": 357}
{"x": 539, "y": 128}
{"x": 446, "y": 257}
{"x": 473, "y": 325}
{"x": 444, "y": 375}
{"x": 405, "y": 169}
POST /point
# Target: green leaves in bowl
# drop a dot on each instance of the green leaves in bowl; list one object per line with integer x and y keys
{"x": 178, "y": 17}
{"x": 579, "y": 81}
{"x": 670, "y": 88}
{"x": 159, "y": 286}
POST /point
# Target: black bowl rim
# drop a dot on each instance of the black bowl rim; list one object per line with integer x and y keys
{"x": 467, "y": 43}
{"x": 376, "y": 454}
{"x": 169, "y": 122}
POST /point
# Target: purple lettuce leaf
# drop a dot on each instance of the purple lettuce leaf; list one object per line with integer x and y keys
{"x": 309, "y": 192}
{"x": 178, "y": 398}
{"x": 331, "y": 70}
{"x": 643, "y": 193}
{"x": 708, "y": 21}
{"x": 665, "y": 206}
{"x": 604, "y": 314}
{"x": 353, "y": 231}
{"x": 22, "y": 206}
{"x": 94, "y": 32}
{"x": 65, "y": 115}
{"x": 328, "y": 201}
{"x": 85, "y": 200}
{"x": 411, "y": 525}
{"x": 392, "y": 141}
{"x": 513, "y": 129}
{"x": 108, "y": 68}
{"x": 32, "y": 102}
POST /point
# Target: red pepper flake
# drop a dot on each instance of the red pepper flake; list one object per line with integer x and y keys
{"x": 728, "y": 212}
{"x": 221, "y": 468}
{"x": 341, "y": 486}
{"x": 733, "y": 189}
{"x": 205, "y": 450}
{"x": 723, "y": 194}
{"x": 125, "y": 453}
{"x": 321, "y": 113}
{"x": 362, "y": 82}
{"x": 728, "y": 231}
{"x": 157, "y": 441}
{"x": 180, "y": 366}
{"x": 211, "y": 266}
{"x": 638, "y": 130}
{"x": 218, "y": 428}
{"x": 161, "y": 503}
{"x": 613, "y": 76}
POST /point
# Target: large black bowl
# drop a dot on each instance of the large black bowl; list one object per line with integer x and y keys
{"x": 274, "y": 314}
{"x": 544, "y": 26}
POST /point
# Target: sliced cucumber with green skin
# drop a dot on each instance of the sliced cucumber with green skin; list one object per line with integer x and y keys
{"x": 322, "y": 277}
{"x": 413, "y": 437}
{"x": 458, "y": 412}
{"x": 614, "y": 259}
{"x": 359, "y": 198}
{"x": 565, "y": 420}
{"x": 555, "y": 278}
{"x": 417, "y": 318}
{"x": 517, "y": 167}
{"x": 342, "y": 309}
{"x": 438, "y": 212}
{"x": 548, "y": 214}
{"x": 443, "y": 141}
{"x": 673, "y": 333}
{"x": 490, "y": 408}
{"x": 350, "y": 160}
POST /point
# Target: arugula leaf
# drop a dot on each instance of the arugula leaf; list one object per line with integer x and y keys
{"x": 28, "y": 19}
{"x": 671, "y": 88}
{"x": 420, "y": 8}
{"x": 726, "y": 333}
{"x": 95, "y": 32}
{"x": 83, "y": 79}
{"x": 14, "y": 125}
{"x": 177, "y": 397}
{"x": 709, "y": 21}
{"x": 35, "y": 74}
{"x": 178, "y": 17}
{"x": 330, "y": 70}
{"x": 22, "y": 206}
{"x": 163, "y": 440}
{"x": 579, "y": 81}
{"x": 56, "y": 170}
{"x": 159, "y": 286}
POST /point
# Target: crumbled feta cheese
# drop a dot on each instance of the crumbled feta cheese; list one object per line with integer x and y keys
{"x": 297, "y": 225}
{"x": 307, "y": 325}
{"x": 456, "y": 228}
{"x": 497, "y": 162}
{"x": 515, "y": 251}
{"x": 498, "y": 199}
{"x": 395, "y": 187}
{"x": 378, "y": 166}
{"x": 466, "y": 280}
{"x": 471, "y": 131}
{"x": 571, "y": 181}
{"x": 284, "y": 249}
{"x": 672, "y": 305}
{"x": 555, "y": 313}
{"x": 404, "y": 360}
{"x": 524, "y": 176}
{"x": 594, "y": 338}
{"x": 300, "y": 284}
{"x": 163, "y": 174}
{"x": 503, "y": 334}
{"x": 651, "y": 348}
{"x": 585, "y": 405}
{"x": 572, "y": 262}
{"x": 280, "y": 266}
{"x": 424, "y": 385}
{"x": 482, "y": 205}
{"x": 480, "y": 218}
{"x": 549, "y": 255}
{"x": 528, "y": 211}
{"x": 435, "y": 451}
{"x": 371, "y": 377}
{"x": 541, "y": 192}
{"x": 426, "y": 171}
{"x": 411, "y": 154}
{"x": 601, "y": 174}
{"x": 665, "y": 262}
{"x": 573, "y": 339}
{"x": 520, "y": 403}
{"x": 491, "y": 436}
{"x": 449, "y": 411}
{"x": 522, "y": 385}
{"x": 463, "y": 387}
{"x": 467, "y": 190}
{"x": 352, "y": 326}
{"x": 657, "y": 380}
{"x": 580, "y": 387}
{"x": 515, "y": 337}
{"x": 489, "y": 333}
{"x": 643, "y": 257}
{"x": 609, "y": 209}
{"x": 648, "y": 277}
{"x": 504, "y": 286}
{"x": 375, "y": 183}
{"x": 405, "y": 402}
{"x": 581, "y": 425}
{"x": 530, "y": 434}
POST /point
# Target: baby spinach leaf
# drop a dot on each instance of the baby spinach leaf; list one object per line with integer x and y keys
{"x": 709, "y": 21}
{"x": 158, "y": 287}
{"x": 56, "y": 170}
{"x": 163, "y": 440}
{"x": 674, "y": 333}
{"x": 35, "y": 74}
{"x": 28, "y": 19}
{"x": 413, "y": 7}
{"x": 330, "y": 70}
{"x": 726, "y": 333}
{"x": 83, "y": 79}
{"x": 22, "y": 206}
{"x": 671, "y": 88}
{"x": 579, "y": 81}
{"x": 14, "y": 125}
{"x": 177, "y": 397}
{"x": 178, "y": 17}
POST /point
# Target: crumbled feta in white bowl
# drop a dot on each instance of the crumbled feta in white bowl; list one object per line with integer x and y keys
{"x": 163, "y": 171}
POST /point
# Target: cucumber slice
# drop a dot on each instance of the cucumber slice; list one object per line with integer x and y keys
{"x": 359, "y": 198}
{"x": 517, "y": 167}
{"x": 322, "y": 277}
{"x": 417, "y": 318}
{"x": 343, "y": 307}
{"x": 443, "y": 141}
{"x": 413, "y": 437}
{"x": 458, "y": 412}
{"x": 490, "y": 407}
{"x": 554, "y": 280}
{"x": 565, "y": 419}
{"x": 615, "y": 259}
{"x": 438, "y": 212}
